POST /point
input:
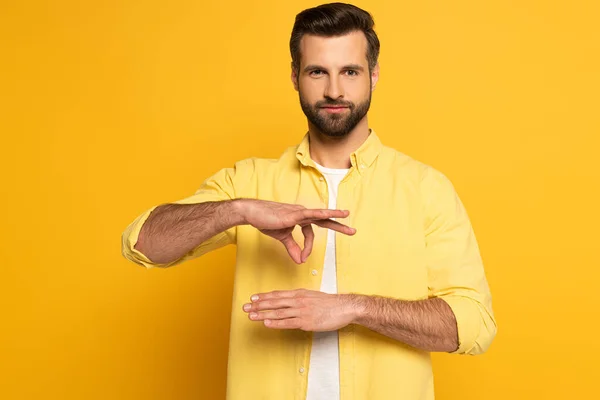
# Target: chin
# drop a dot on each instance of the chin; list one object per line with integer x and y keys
{"x": 335, "y": 133}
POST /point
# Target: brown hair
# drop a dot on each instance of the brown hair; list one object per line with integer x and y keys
{"x": 334, "y": 19}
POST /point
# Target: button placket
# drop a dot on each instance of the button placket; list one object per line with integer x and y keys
{"x": 324, "y": 191}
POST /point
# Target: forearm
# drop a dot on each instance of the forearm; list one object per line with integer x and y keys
{"x": 424, "y": 324}
{"x": 172, "y": 230}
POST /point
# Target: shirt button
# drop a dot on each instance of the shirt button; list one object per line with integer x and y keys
{"x": 301, "y": 370}
{"x": 314, "y": 272}
{"x": 362, "y": 166}
{"x": 321, "y": 179}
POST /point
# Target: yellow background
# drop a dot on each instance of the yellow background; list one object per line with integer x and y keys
{"x": 108, "y": 108}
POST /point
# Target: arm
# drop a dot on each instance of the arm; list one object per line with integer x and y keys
{"x": 214, "y": 197}
{"x": 173, "y": 230}
{"x": 455, "y": 268}
{"x": 424, "y": 324}
{"x": 169, "y": 234}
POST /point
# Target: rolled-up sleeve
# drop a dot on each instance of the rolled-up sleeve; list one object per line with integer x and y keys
{"x": 219, "y": 187}
{"x": 454, "y": 264}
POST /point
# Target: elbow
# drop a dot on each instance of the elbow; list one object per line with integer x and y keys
{"x": 133, "y": 254}
{"x": 136, "y": 256}
{"x": 476, "y": 326}
{"x": 487, "y": 340}
{"x": 134, "y": 248}
{"x": 483, "y": 341}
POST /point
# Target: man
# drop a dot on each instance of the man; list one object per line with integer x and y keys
{"x": 355, "y": 313}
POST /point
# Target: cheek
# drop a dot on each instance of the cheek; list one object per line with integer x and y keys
{"x": 357, "y": 92}
{"x": 311, "y": 91}
{"x": 362, "y": 87}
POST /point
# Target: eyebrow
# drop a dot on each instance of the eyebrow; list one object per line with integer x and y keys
{"x": 348, "y": 66}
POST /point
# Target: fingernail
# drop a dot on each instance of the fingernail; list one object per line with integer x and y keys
{"x": 253, "y": 315}
{"x": 254, "y": 297}
{"x": 246, "y": 307}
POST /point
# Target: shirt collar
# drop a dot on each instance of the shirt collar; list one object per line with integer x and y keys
{"x": 361, "y": 158}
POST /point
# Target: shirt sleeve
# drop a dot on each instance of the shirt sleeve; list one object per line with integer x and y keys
{"x": 219, "y": 187}
{"x": 455, "y": 267}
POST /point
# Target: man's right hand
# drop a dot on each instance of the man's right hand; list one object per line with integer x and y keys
{"x": 279, "y": 219}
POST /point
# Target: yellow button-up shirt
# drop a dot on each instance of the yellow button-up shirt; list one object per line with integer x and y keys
{"x": 413, "y": 241}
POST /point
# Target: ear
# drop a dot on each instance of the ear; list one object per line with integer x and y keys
{"x": 294, "y": 77}
{"x": 374, "y": 76}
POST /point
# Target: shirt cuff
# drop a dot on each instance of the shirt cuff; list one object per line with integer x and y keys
{"x": 130, "y": 238}
{"x": 468, "y": 322}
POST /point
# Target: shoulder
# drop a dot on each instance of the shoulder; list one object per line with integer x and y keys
{"x": 424, "y": 175}
{"x": 263, "y": 166}
{"x": 251, "y": 170}
{"x": 253, "y": 166}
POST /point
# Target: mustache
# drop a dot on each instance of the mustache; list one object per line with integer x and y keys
{"x": 334, "y": 104}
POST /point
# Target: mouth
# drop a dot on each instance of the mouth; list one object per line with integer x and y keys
{"x": 334, "y": 109}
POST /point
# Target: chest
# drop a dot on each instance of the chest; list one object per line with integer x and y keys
{"x": 385, "y": 256}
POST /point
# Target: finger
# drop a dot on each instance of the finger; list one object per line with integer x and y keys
{"x": 289, "y": 323}
{"x": 278, "y": 294}
{"x": 292, "y": 248}
{"x": 309, "y": 237}
{"x": 311, "y": 214}
{"x": 336, "y": 226}
{"x": 271, "y": 304}
{"x": 282, "y": 313}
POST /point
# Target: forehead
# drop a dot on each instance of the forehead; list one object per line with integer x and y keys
{"x": 350, "y": 48}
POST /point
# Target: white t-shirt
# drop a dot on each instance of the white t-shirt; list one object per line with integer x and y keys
{"x": 324, "y": 368}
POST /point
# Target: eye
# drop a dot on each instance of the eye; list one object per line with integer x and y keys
{"x": 352, "y": 72}
{"x": 315, "y": 72}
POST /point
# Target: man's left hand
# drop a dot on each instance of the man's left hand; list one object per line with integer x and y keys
{"x": 303, "y": 309}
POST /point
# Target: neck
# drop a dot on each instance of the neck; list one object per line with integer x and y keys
{"x": 334, "y": 152}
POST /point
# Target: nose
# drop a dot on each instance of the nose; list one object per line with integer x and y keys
{"x": 334, "y": 88}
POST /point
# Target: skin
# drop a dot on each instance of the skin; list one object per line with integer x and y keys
{"x": 173, "y": 230}
{"x": 424, "y": 324}
{"x": 335, "y": 71}
{"x": 278, "y": 220}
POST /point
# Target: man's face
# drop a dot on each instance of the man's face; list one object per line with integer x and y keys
{"x": 334, "y": 82}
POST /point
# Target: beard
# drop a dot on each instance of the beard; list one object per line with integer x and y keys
{"x": 335, "y": 124}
